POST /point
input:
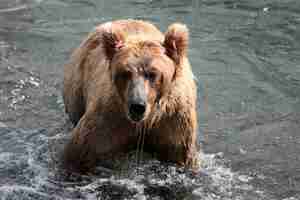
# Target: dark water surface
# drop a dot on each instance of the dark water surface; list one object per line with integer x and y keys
{"x": 245, "y": 56}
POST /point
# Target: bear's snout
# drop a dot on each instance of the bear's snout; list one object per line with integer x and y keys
{"x": 137, "y": 100}
{"x": 137, "y": 111}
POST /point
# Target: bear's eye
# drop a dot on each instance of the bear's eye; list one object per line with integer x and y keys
{"x": 151, "y": 76}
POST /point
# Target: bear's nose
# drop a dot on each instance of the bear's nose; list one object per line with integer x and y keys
{"x": 137, "y": 111}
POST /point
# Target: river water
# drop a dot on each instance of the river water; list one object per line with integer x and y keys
{"x": 246, "y": 59}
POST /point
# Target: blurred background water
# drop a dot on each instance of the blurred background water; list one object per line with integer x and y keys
{"x": 246, "y": 58}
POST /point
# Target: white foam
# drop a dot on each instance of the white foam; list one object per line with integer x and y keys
{"x": 223, "y": 180}
{"x": 130, "y": 184}
{"x": 7, "y": 190}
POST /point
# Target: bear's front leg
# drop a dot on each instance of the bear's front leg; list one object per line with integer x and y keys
{"x": 186, "y": 133}
{"x": 80, "y": 153}
{"x": 175, "y": 139}
{"x": 92, "y": 139}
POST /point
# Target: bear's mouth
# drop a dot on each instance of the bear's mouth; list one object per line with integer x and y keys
{"x": 137, "y": 112}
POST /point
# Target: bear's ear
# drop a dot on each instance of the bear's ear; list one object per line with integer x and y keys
{"x": 113, "y": 39}
{"x": 176, "y": 42}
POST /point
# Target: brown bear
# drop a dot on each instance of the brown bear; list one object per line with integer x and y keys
{"x": 127, "y": 76}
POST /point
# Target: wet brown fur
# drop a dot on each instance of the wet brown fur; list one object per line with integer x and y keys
{"x": 102, "y": 129}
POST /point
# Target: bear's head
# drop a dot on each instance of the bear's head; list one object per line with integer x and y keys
{"x": 143, "y": 70}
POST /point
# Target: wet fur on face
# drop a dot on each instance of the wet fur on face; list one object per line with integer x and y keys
{"x": 142, "y": 65}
